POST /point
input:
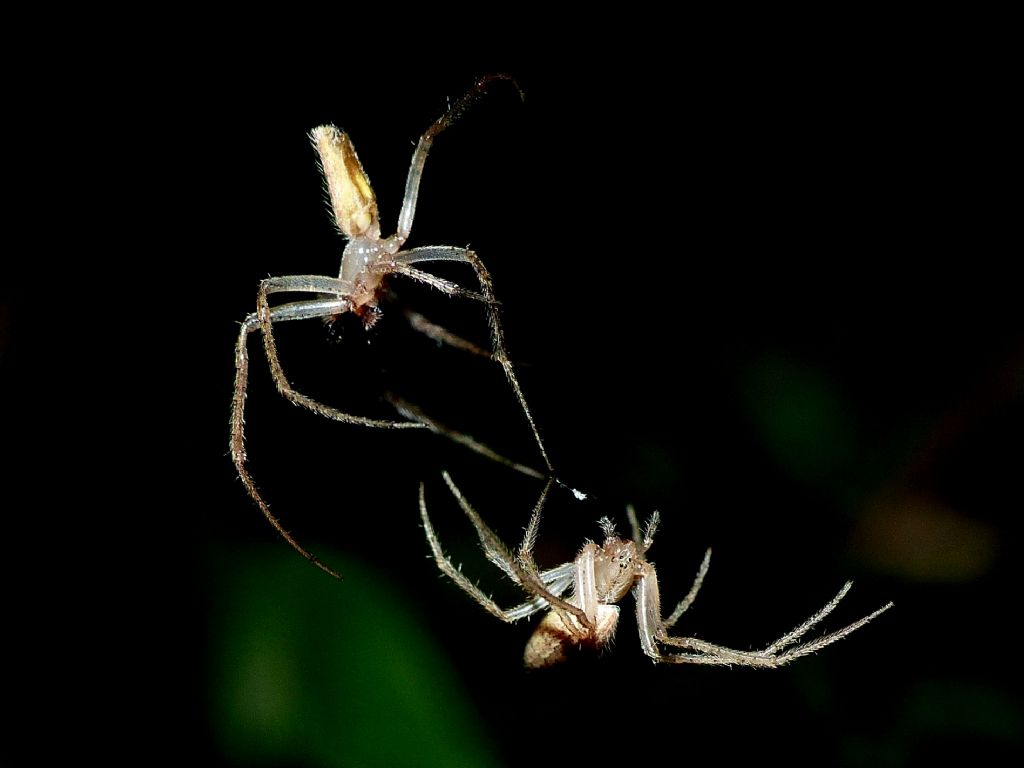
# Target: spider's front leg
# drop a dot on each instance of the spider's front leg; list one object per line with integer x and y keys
{"x": 549, "y": 585}
{"x": 419, "y": 157}
{"x": 403, "y": 260}
{"x": 522, "y": 569}
{"x": 566, "y": 625}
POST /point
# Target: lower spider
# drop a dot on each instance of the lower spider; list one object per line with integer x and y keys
{"x": 600, "y": 576}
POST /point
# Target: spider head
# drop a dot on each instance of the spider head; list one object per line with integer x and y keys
{"x": 616, "y": 567}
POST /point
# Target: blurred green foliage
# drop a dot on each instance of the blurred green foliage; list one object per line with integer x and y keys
{"x": 309, "y": 671}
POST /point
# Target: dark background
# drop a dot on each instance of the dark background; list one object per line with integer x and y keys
{"x": 768, "y": 295}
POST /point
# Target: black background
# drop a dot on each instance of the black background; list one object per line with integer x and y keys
{"x": 682, "y": 246}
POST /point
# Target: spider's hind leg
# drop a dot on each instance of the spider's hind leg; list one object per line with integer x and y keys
{"x": 263, "y": 319}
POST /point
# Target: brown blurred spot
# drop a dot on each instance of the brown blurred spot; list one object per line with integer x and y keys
{"x": 921, "y": 539}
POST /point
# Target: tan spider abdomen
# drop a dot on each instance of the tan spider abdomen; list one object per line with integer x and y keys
{"x": 352, "y": 198}
{"x": 550, "y": 642}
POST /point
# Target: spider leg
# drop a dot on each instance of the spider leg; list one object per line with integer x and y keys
{"x": 410, "y": 411}
{"x": 445, "y": 286}
{"x": 556, "y": 580}
{"x": 263, "y": 319}
{"x": 585, "y": 583}
{"x": 648, "y": 611}
{"x": 267, "y": 316}
{"x": 464, "y": 255}
{"x": 687, "y": 601}
{"x": 322, "y": 284}
{"x": 442, "y": 335}
{"x": 238, "y": 454}
{"x": 769, "y": 657}
{"x": 821, "y": 642}
{"x": 717, "y": 654}
{"x": 524, "y": 572}
{"x": 444, "y": 562}
{"x": 579, "y": 573}
{"x": 440, "y": 253}
{"x": 525, "y": 552}
{"x": 419, "y": 158}
{"x": 791, "y": 637}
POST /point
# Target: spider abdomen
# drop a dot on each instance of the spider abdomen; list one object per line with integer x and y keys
{"x": 550, "y": 642}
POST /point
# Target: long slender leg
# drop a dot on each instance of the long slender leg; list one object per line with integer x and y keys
{"x": 408, "y": 213}
{"x": 556, "y": 579}
{"x": 526, "y": 546}
{"x": 410, "y": 411}
{"x": 264, "y": 319}
{"x": 419, "y": 158}
{"x": 769, "y": 656}
{"x": 728, "y": 655}
{"x": 448, "y": 568}
{"x": 445, "y": 286}
{"x": 320, "y": 284}
{"x": 464, "y": 255}
{"x": 821, "y": 642}
{"x": 709, "y": 653}
{"x": 442, "y": 335}
{"x": 267, "y": 316}
{"x": 687, "y": 601}
{"x": 238, "y": 454}
{"x": 523, "y": 575}
{"x": 302, "y": 310}
{"x": 693, "y": 658}
{"x": 793, "y": 636}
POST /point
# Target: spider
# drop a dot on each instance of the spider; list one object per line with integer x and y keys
{"x": 600, "y": 576}
{"x": 367, "y": 260}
